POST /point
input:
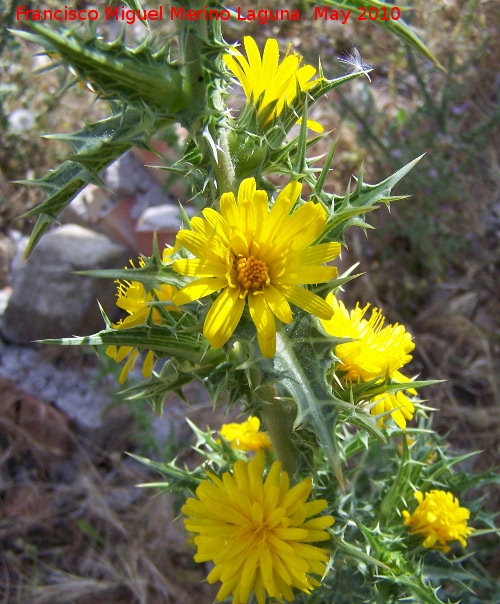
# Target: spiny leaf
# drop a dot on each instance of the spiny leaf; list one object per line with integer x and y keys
{"x": 177, "y": 479}
{"x": 96, "y": 147}
{"x": 352, "y": 551}
{"x": 158, "y": 338}
{"x": 345, "y": 210}
{"x": 136, "y": 5}
{"x": 138, "y": 77}
{"x": 305, "y": 394}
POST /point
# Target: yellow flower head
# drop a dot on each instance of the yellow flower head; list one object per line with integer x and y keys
{"x": 397, "y": 403}
{"x": 266, "y": 81}
{"x": 439, "y": 518}
{"x": 258, "y": 533}
{"x": 256, "y": 254}
{"x": 375, "y": 352}
{"x": 136, "y": 300}
{"x": 246, "y": 436}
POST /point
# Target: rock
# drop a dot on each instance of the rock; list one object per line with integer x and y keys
{"x": 50, "y": 301}
{"x": 127, "y": 177}
{"x": 87, "y": 207}
{"x": 70, "y": 379}
{"x": 131, "y": 189}
{"x": 36, "y": 420}
{"x": 165, "y": 221}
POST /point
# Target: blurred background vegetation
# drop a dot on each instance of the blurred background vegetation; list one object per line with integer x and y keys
{"x": 432, "y": 263}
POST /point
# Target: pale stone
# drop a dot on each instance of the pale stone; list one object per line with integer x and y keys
{"x": 49, "y": 300}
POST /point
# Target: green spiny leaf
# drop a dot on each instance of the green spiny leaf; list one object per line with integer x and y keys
{"x": 138, "y": 78}
{"x": 95, "y": 147}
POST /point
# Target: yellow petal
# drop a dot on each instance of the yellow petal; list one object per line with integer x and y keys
{"x": 317, "y": 254}
{"x": 199, "y": 245}
{"x": 254, "y": 62}
{"x": 310, "y": 274}
{"x": 261, "y": 204}
{"x": 223, "y": 317}
{"x": 315, "y": 126}
{"x": 270, "y": 57}
{"x": 305, "y": 225}
{"x": 278, "y": 304}
{"x": 306, "y": 300}
{"x": 271, "y": 226}
{"x": 264, "y": 321}
{"x": 147, "y": 366}
{"x": 291, "y": 191}
{"x": 229, "y": 210}
{"x": 122, "y": 352}
{"x": 200, "y": 268}
{"x": 111, "y": 351}
{"x": 305, "y": 73}
{"x": 246, "y": 190}
{"x": 237, "y": 63}
{"x": 217, "y": 222}
{"x": 198, "y": 289}
{"x": 239, "y": 243}
{"x": 248, "y": 222}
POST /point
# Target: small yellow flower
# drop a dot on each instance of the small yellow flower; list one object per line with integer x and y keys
{"x": 246, "y": 436}
{"x": 131, "y": 354}
{"x": 136, "y": 301}
{"x": 376, "y": 352}
{"x": 439, "y": 518}
{"x": 398, "y": 403}
{"x": 256, "y": 254}
{"x": 258, "y": 533}
{"x": 266, "y": 81}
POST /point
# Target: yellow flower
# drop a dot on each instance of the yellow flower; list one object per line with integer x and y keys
{"x": 375, "y": 352}
{"x": 258, "y": 533}
{"x": 136, "y": 301}
{"x": 267, "y": 82}
{"x": 131, "y": 354}
{"x": 246, "y": 436}
{"x": 256, "y": 254}
{"x": 398, "y": 403}
{"x": 439, "y": 518}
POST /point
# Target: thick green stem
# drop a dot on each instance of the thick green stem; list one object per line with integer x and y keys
{"x": 278, "y": 420}
{"x": 200, "y": 42}
{"x": 224, "y": 167}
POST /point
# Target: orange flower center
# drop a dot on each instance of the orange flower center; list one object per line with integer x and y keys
{"x": 251, "y": 274}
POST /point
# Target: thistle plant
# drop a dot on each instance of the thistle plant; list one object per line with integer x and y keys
{"x": 311, "y": 497}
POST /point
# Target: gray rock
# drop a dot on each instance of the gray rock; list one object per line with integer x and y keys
{"x": 127, "y": 177}
{"x": 76, "y": 387}
{"x": 50, "y": 301}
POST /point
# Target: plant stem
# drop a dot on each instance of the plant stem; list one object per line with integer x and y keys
{"x": 201, "y": 43}
{"x": 278, "y": 421}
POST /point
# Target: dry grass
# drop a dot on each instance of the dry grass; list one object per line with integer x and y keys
{"x": 76, "y": 529}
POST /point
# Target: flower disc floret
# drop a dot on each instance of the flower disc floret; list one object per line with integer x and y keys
{"x": 439, "y": 518}
{"x": 258, "y": 532}
{"x": 256, "y": 254}
{"x": 267, "y": 82}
